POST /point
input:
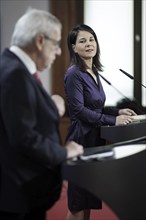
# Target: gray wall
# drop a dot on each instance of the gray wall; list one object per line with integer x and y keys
{"x": 10, "y": 11}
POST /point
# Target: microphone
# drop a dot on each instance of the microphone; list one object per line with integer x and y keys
{"x": 114, "y": 87}
{"x": 131, "y": 77}
{"x": 135, "y": 106}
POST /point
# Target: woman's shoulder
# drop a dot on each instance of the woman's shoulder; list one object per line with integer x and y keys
{"x": 73, "y": 70}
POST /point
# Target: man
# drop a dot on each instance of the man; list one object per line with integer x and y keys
{"x": 30, "y": 149}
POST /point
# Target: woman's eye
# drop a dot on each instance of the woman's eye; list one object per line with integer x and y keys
{"x": 82, "y": 41}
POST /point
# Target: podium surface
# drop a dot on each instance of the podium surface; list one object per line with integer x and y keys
{"x": 120, "y": 181}
{"x": 123, "y": 132}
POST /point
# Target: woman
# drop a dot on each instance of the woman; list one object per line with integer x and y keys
{"x": 85, "y": 99}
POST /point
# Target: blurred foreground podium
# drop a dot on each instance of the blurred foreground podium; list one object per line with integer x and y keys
{"x": 118, "y": 133}
{"x": 115, "y": 173}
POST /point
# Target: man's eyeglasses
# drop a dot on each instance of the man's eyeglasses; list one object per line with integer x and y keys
{"x": 55, "y": 42}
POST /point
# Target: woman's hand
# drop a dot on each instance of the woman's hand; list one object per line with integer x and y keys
{"x": 127, "y": 111}
{"x": 123, "y": 120}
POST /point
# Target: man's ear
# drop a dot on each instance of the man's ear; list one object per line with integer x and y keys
{"x": 39, "y": 41}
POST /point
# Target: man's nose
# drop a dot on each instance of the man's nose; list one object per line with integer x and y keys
{"x": 58, "y": 51}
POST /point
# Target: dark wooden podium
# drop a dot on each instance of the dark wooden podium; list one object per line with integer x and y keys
{"x": 119, "y": 133}
{"x": 119, "y": 181}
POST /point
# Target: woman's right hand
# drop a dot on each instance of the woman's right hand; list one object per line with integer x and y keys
{"x": 123, "y": 120}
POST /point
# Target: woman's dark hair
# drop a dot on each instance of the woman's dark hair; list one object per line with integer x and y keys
{"x": 75, "y": 58}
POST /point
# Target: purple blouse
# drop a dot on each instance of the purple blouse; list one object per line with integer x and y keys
{"x": 85, "y": 100}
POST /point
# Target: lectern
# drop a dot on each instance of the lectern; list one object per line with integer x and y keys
{"x": 118, "y": 133}
{"x": 119, "y": 179}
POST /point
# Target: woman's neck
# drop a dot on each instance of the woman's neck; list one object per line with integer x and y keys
{"x": 88, "y": 63}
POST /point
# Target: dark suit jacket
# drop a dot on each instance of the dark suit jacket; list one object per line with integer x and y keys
{"x": 30, "y": 149}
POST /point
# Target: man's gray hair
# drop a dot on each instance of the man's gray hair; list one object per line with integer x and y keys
{"x": 32, "y": 23}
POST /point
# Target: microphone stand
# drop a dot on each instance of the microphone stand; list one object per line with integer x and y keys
{"x": 134, "y": 104}
{"x": 131, "y": 77}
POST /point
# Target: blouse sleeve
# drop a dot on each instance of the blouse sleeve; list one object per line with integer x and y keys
{"x": 74, "y": 90}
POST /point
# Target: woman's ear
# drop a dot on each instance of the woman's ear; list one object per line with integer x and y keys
{"x": 73, "y": 47}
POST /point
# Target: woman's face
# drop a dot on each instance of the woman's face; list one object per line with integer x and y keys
{"x": 85, "y": 45}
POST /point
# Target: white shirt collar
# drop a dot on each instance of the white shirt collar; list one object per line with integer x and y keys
{"x": 28, "y": 62}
